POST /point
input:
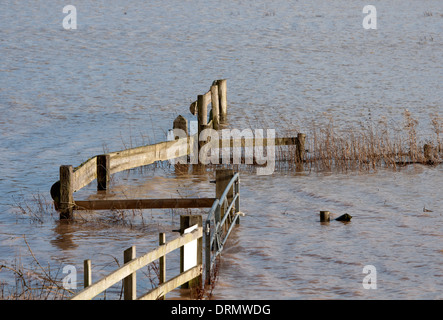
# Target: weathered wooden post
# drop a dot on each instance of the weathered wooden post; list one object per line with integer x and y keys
{"x": 300, "y": 152}
{"x": 187, "y": 221}
{"x": 180, "y": 163}
{"x": 207, "y": 232}
{"x": 103, "y": 171}
{"x": 324, "y": 216}
{"x": 180, "y": 123}
{"x": 87, "y": 273}
{"x": 130, "y": 282}
{"x": 66, "y": 192}
{"x": 162, "y": 260}
{"x": 222, "y": 179}
{"x": 215, "y": 107}
{"x": 193, "y": 108}
{"x": 202, "y": 116}
{"x": 222, "y": 94}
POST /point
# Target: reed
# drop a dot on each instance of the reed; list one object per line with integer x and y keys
{"x": 370, "y": 146}
{"x": 206, "y": 292}
{"x": 365, "y": 146}
{"x": 34, "y": 282}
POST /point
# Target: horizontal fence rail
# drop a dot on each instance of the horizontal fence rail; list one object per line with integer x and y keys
{"x": 101, "y": 167}
{"x": 144, "y": 204}
{"x": 225, "y": 206}
{"x": 221, "y": 219}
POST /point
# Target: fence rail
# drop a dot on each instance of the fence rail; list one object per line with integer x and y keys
{"x": 222, "y": 217}
{"x": 144, "y": 204}
{"x": 127, "y": 271}
{"x": 101, "y": 167}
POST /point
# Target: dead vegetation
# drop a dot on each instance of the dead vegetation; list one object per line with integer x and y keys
{"x": 34, "y": 282}
{"x": 373, "y": 146}
{"x": 368, "y": 146}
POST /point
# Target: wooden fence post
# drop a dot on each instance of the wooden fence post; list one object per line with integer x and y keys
{"x": 202, "y": 117}
{"x": 187, "y": 221}
{"x": 66, "y": 192}
{"x": 207, "y": 232}
{"x": 130, "y": 282}
{"x": 180, "y": 123}
{"x": 222, "y": 178}
{"x": 87, "y": 273}
{"x": 162, "y": 260}
{"x": 215, "y": 107}
{"x": 222, "y": 94}
{"x": 300, "y": 152}
{"x": 103, "y": 171}
{"x": 324, "y": 216}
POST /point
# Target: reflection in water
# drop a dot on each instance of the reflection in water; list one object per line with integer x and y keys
{"x": 64, "y": 236}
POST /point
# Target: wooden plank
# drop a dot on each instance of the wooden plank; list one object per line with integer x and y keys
{"x": 173, "y": 283}
{"x": 145, "y": 155}
{"x": 134, "y": 265}
{"x": 247, "y": 142}
{"x": 85, "y": 174}
{"x": 144, "y": 204}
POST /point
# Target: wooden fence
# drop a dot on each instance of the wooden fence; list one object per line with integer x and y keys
{"x": 223, "y": 215}
{"x": 127, "y": 273}
{"x": 101, "y": 167}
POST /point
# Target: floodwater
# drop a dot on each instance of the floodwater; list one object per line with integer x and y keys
{"x": 131, "y": 67}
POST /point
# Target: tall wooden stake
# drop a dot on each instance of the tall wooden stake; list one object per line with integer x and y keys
{"x": 215, "y": 107}
{"x": 130, "y": 282}
{"x": 222, "y": 94}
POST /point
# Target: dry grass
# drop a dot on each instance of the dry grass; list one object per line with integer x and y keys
{"x": 368, "y": 147}
{"x": 32, "y": 283}
{"x": 37, "y": 209}
{"x": 205, "y": 292}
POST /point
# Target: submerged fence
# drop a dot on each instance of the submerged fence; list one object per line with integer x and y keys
{"x": 221, "y": 219}
{"x": 224, "y": 207}
{"x": 127, "y": 273}
{"x": 101, "y": 167}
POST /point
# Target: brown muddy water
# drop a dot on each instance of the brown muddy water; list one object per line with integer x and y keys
{"x": 129, "y": 69}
